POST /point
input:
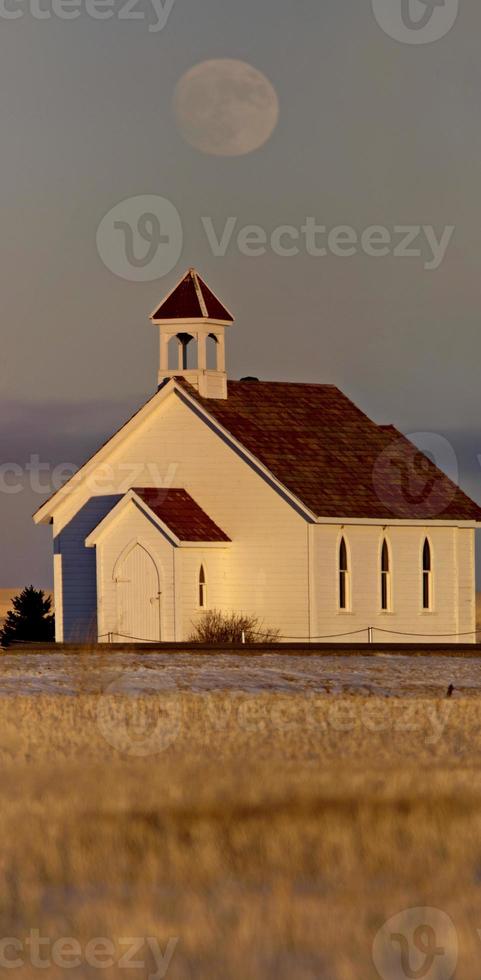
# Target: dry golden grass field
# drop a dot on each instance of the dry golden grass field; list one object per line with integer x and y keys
{"x": 242, "y": 836}
{"x": 271, "y": 835}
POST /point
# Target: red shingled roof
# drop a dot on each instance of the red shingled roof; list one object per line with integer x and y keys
{"x": 178, "y": 510}
{"x": 192, "y": 300}
{"x": 335, "y": 460}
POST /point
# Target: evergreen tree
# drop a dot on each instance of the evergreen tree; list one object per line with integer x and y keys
{"x": 30, "y": 620}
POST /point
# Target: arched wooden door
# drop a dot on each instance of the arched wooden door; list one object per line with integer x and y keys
{"x": 138, "y": 596}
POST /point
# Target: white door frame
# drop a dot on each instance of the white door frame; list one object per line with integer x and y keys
{"x": 134, "y": 543}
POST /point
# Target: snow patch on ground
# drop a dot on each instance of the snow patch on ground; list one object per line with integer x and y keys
{"x": 387, "y": 675}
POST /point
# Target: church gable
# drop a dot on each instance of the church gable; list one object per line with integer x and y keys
{"x": 314, "y": 446}
{"x": 174, "y": 511}
{"x": 171, "y": 440}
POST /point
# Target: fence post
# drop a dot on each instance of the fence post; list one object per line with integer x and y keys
{"x": 369, "y": 634}
{"x": 243, "y": 636}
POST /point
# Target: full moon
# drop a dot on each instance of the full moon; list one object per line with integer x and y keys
{"x": 225, "y": 107}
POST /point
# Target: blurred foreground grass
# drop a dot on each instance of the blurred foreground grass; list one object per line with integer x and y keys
{"x": 272, "y": 834}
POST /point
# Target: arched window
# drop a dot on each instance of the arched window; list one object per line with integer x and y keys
{"x": 343, "y": 576}
{"x": 202, "y": 589}
{"x": 427, "y": 575}
{"x": 385, "y": 578}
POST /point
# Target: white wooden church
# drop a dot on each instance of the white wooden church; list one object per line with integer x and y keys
{"x": 277, "y": 499}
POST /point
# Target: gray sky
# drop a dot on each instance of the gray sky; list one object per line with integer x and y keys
{"x": 371, "y": 132}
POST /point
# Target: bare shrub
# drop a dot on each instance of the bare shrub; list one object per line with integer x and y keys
{"x": 218, "y": 627}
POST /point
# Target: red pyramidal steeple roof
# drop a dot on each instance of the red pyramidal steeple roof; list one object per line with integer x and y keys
{"x": 192, "y": 300}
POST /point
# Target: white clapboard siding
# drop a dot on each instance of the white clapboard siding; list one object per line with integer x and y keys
{"x": 452, "y": 582}
{"x": 216, "y": 564}
{"x": 278, "y": 567}
{"x": 267, "y": 561}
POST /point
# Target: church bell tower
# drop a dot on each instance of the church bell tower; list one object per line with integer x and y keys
{"x": 192, "y": 324}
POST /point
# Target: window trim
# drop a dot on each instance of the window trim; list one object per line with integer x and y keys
{"x": 427, "y": 576}
{"x": 343, "y": 577}
{"x": 385, "y": 576}
{"x": 202, "y": 588}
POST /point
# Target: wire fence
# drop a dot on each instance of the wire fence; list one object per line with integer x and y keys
{"x": 370, "y": 632}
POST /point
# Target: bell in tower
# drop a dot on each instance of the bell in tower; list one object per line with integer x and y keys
{"x": 192, "y": 321}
